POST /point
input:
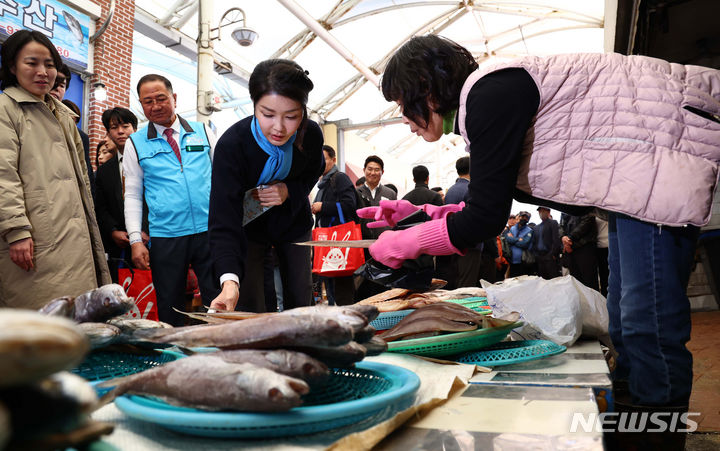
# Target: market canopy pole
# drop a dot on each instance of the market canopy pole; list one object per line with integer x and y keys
{"x": 205, "y": 61}
{"x": 325, "y": 35}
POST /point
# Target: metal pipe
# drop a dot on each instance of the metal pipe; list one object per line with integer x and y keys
{"x": 99, "y": 33}
{"x": 192, "y": 9}
{"x": 204, "y": 61}
{"x": 325, "y": 35}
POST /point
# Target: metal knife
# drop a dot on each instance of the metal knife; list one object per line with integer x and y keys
{"x": 338, "y": 243}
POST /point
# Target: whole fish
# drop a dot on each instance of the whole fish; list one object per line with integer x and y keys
{"x": 344, "y": 356}
{"x": 130, "y": 325}
{"x": 365, "y": 334}
{"x": 375, "y": 346}
{"x": 63, "y": 306}
{"x": 434, "y": 319}
{"x": 208, "y": 382}
{"x": 265, "y": 332}
{"x": 369, "y": 311}
{"x": 352, "y": 317}
{"x": 100, "y": 334}
{"x": 289, "y": 363}
{"x": 102, "y": 304}
{"x": 33, "y": 346}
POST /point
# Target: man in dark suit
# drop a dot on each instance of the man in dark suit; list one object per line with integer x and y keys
{"x": 422, "y": 195}
{"x": 120, "y": 123}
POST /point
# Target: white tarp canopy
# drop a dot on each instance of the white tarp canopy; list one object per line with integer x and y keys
{"x": 369, "y": 31}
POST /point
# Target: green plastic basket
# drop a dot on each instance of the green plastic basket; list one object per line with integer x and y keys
{"x": 388, "y": 320}
{"x": 509, "y": 352}
{"x": 453, "y": 343}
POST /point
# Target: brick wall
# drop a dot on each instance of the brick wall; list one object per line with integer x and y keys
{"x": 112, "y": 61}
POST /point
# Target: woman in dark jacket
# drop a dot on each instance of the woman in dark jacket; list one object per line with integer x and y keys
{"x": 264, "y": 168}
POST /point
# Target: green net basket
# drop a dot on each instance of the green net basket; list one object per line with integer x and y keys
{"x": 453, "y": 343}
{"x": 388, "y": 320}
{"x": 509, "y": 352}
{"x": 102, "y": 365}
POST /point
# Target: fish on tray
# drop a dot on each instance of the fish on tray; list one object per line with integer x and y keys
{"x": 208, "y": 382}
{"x": 289, "y": 363}
{"x": 344, "y": 356}
{"x": 102, "y": 304}
{"x": 264, "y": 332}
{"x": 434, "y": 319}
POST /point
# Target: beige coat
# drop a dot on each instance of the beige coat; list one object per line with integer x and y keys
{"x": 45, "y": 194}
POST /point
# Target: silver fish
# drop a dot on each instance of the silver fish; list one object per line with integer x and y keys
{"x": 102, "y": 304}
{"x": 74, "y": 26}
{"x": 336, "y": 356}
{"x": 208, "y": 382}
{"x": 265, "y": 332}
{"x": 289, "y": 363}
{"x": 130, "y": 325}
{"x": 63, "y": 306}
{"x": 100, "y": 334}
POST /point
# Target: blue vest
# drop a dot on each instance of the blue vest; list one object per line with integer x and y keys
{"x": 177, "y": 195}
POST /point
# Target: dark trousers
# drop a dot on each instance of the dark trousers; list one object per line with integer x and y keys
{"x": 547, "y": 266}
{"x": 169, "y": 260}
{"x": 339, "y": 290}
{"x": 468, "y": 268}
{"x": 601, "y": 254}
{"x": 520, "y": 269}
{"x": 649, "y": 309}
{"x": 582, "y": 264}
{"x": 295, "y": 272}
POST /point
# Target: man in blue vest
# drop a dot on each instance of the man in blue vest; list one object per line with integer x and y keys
{"x": 169, "y": 163}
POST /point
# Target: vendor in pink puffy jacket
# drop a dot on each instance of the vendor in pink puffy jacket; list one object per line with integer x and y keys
{"x": 636, "y": 137}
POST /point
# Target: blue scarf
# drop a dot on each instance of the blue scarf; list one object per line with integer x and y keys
{"x": 279, "y": 159}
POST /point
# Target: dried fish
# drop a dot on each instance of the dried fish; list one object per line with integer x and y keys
{"x": 100, "y": 334}
{"x": 208, "y": 382}
{"x": 384, "y": 296}
{"x": 290, "y": 363}
{"x": 33, "y": 346}
{"x": 264, "y": 332}
{"x": 336, "y": 356}
{"x": 102, "y": 304}
{"x": 433, "y": 319}
{"x": 63, "y": 306}
{"x": 129, "y": 325}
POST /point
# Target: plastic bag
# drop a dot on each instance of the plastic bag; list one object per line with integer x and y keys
{"x": 559, "y": 310}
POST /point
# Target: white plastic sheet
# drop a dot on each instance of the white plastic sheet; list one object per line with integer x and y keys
{"x": 560, "y": 310}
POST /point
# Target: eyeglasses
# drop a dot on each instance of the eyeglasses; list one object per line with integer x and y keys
{"x": 160, "y": 100}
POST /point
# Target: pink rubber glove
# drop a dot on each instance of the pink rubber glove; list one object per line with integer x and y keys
{"x": 436, "y": 212}
{"x": 388, "y": 213}
{"x": 394, "y": 247}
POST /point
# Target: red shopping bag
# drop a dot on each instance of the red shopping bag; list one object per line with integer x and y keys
{"x": 138, "y": 284}
{"x": 337, "y": 261}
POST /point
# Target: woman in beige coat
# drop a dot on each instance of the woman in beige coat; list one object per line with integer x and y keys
{"x": 50, "y": 244}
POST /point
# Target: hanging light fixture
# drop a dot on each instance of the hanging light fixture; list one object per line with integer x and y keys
{"x": 242, "y": 35}
{"x": 99, "y": 91}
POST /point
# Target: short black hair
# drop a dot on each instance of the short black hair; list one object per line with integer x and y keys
{"x": 374, "y": 159}
{"x": 65, "y": 70}
{"x": 462, "y": 165}
{"x": 420, "y": 174}
{"x": 437, "y": 189}
{"x": 392, "y": 187}
{"x": 154, "y": 77}
{"x": 330, "y": 151}
{"x": 119, "y": 116}
{"x": 427, "y": 69}
{"x": 360, "y": 181}
{"x": 13, "y": 45}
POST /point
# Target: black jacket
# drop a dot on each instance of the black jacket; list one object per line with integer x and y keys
{"x": 582, "y": 230}
{"x": 110, "y": 206}
{"x": 237, "y": 165}
{"x": 549, "y": 236}
{"x": 338, "y": 189}
{"x": 422, "y": 195}
{"x": 382, "y": 192}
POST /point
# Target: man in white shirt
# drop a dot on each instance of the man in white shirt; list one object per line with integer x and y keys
{"x": 169, "y": 162}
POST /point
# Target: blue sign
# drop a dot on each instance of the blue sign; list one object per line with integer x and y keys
{"x": 68, "y": 29}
